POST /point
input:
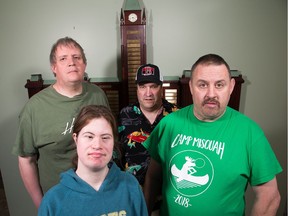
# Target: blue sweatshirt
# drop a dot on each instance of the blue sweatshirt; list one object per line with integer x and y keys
{"x": 120, "y": 194}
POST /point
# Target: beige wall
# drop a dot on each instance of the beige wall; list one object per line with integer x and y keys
{"x": 250, "y": 35}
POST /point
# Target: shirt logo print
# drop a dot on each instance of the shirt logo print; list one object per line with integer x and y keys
{"x": 147, "y": 71}
{"x": 191, "y": 173}
{"x": 187, "y": 173}
{"x": 68, "y": 128}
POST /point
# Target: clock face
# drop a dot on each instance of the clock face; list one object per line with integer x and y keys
{"x": 132, "y": 17}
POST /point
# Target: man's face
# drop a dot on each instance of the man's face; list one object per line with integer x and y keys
{"x": 69, "y": 65}
{"x": 149, "y": 96}
{"x": 211, "y": 87}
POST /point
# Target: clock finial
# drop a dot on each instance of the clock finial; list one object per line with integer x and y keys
{"x": 131, "y": 5}
{"x": 144, "y": 17}
{"x": 122, "y": 17}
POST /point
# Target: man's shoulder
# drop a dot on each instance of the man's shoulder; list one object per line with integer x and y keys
{"x": 176, "y": 111}
{"x": 236, "y": 114}
{"x": 131, "y": 108}
{"x": 39, "y": 98}
{"x": 169, "y": 107}
{"x": 44, "y": 92}
{"x": 92, "y": 87}
{"x": 241, "y": 119}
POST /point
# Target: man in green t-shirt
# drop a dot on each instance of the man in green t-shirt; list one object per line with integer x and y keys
{"x": 44, "y": 143}
{"x": 204, "y": 155}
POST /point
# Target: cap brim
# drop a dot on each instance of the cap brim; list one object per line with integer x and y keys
{"x": 148, "y": 81}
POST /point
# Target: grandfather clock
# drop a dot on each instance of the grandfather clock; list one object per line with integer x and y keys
{"x": 133, "y": 47}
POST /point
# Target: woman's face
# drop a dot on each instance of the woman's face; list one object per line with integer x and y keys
{"x": 95, "y": 144}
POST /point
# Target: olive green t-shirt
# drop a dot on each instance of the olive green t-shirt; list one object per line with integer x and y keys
{"x": 45, "y": 129}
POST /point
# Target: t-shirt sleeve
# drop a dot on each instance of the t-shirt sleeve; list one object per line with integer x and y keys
{"x": 24, "y": 144}
{"x": 153, "y": 141}
{"x": 264, "y": 164}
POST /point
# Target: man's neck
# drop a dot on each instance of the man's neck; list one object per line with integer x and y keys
{"x": 207, "y": 118}
{"x": 151, "y": 115}
{"x": 68, "y": 90}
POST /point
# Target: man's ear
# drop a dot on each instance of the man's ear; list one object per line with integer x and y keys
{"x": 53, "y": 69}
{"x": 190, "y": 87}
{"x": 232, "y": 84}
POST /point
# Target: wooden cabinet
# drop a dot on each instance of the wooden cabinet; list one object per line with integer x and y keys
{"x": 112, "y": 88}
{"x": 175, "y": 89}
{"x": 171, "y": 89}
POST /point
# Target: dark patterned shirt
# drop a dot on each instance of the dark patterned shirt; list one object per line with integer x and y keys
{"x": 134, "y": 128}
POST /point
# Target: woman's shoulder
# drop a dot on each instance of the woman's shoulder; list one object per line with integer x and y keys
{"x": 124, "y": 177}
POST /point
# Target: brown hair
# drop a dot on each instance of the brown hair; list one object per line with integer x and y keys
{"x": 89, "y": 113}
{"x": 66, "y": 41}
{"x": 210, "y": 59}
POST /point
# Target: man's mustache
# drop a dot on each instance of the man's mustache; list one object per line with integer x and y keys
{"x": 211, "y": 100}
